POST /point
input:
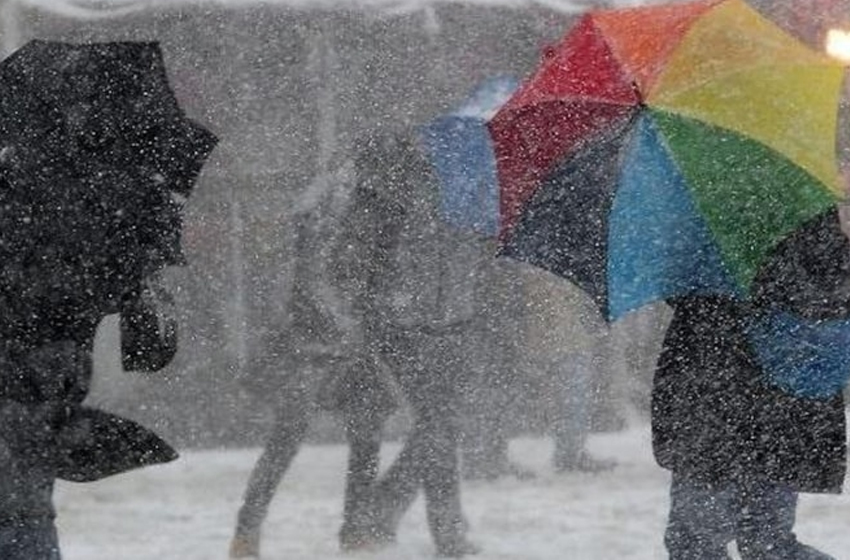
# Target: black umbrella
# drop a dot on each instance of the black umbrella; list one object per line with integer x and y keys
{"x": 94, "y": 444}
{"x": 96, "y": 158}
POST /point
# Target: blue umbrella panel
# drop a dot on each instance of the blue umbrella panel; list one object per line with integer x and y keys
{"x": 617, "y": 218}
{"x": 461, "y": 154}
{"x": 460, "y": 150}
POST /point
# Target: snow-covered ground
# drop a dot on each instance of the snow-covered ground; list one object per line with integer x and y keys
{"x": 185, "y": 510}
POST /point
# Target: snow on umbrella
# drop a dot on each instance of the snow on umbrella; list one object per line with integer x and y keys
{"x": 665, "y": 151}
{"x": 96, "y": 157}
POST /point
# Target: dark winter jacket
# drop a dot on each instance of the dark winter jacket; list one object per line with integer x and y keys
{"x": 716, "y": 414}
{"x": 45, "y": 431}
{"x": 404, "y": 266}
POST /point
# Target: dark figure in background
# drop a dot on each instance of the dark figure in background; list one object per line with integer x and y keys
{"x": 492, "y": 395}
{"x": 534, "y": 343}
{"x": 564, "y": 339}
{"x": 313, "y": 364}
{"x": 740, "y": 447}
{"x": 411, "y": 279}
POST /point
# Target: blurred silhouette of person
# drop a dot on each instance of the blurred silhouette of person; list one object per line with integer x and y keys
{"x": 90, "y": 215}
{"x": 565, "y": 339}
{"x": 496, "y": 382}
{"x": 413, "y": 292}
{"x": 313, "y": 363}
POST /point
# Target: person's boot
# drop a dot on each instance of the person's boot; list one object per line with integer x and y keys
{"x": 449, "y": 534}
{"x": 245, "y": 546}
{"x": 457, "y": 548}
{"x": 356, "y": 539}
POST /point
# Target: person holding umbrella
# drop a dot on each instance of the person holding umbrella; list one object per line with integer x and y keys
{"x": 95, "y": 159}
{"x": 747, "y": 404}
{"x": 315, "y": 361}
{"x": 696, "y": 166}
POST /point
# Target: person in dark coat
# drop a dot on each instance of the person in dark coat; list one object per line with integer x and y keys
{"x": 740, "y": 445}
{"x": 315, "y": 361}
{"x": 45, "y": 431}
{"x": 40, "y": 381}
{"x": 412, "y": 289}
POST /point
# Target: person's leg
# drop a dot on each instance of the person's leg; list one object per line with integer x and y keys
{"x": 487, "y": 399}
{"x": 429, "y": 459}
{"x": 395, "y": 490}
{"x": 766, "y": 523}
{"x": 437, "y": 406}
{"x": 27, "y": 513}
{"x": 359, "y": 526}
{"x": 29, "y": 539}
{"x": 573, "y": 382}
{"x": 484, "y": 438}
{"x": 701, "y": 522}
{"x": 288, "y": 431}
{"x": 438, "y": 465}
{"x": 483, "y": 441}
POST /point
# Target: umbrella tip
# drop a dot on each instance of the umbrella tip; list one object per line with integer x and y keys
{"x": 637, "y": 91}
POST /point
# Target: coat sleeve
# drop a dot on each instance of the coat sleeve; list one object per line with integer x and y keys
{"x": 808, "y": 274}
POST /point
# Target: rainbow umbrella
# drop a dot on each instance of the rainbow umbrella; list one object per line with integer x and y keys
{"x": 665, "y": 151}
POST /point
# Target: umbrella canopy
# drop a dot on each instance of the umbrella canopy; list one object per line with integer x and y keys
{"x": 460, "y": 151}
{"x": 94, "y": 444}
{"x": 666, "y": 150}
{"x": 96, "y": 158}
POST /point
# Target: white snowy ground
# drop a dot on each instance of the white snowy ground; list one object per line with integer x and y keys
{"x": 185, "y": 510}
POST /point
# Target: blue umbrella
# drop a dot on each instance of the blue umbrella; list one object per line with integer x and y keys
{"x": 460, "y": 151}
